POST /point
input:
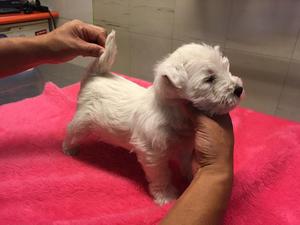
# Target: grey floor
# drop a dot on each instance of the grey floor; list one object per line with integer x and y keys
{"x": 31, "y": 83}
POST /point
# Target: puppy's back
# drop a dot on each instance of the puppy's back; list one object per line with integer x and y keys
{"x": 110, "y": 100}
{"x": 99, "y": 78}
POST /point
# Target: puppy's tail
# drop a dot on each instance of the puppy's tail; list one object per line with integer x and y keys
{"x": 107, "y": 59}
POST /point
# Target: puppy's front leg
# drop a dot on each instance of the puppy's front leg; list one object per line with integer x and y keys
{"x": 158, "y": 175}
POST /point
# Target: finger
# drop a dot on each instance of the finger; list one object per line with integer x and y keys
{"x": 89, "y": 49}
{"x": 94, "y": 34}
{"x": 223, "y": 120}
{"x": 101, "y": 28}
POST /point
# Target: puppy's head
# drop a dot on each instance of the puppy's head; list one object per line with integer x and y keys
{"x": 199, "y": 74}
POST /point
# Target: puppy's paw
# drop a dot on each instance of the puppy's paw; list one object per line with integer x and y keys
{"x": 165, "y": 195}
{"x": 69, "y": 151}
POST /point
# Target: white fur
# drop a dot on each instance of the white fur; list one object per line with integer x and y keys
{"x": 153, "y": 122}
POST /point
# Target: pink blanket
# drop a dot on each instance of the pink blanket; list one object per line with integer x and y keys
{"x": 105, "y": 185}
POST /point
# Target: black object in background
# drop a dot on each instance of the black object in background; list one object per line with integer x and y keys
{"x": 11, "y": 6}
{"x": 17, "y": 6}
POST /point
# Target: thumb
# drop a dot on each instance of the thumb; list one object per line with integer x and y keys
{"x": 90, "y": 49}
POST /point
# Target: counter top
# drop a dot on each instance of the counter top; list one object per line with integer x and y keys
{"x": 22, "y": 17}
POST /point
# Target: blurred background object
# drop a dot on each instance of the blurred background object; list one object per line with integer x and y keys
{"x": 19, "y": 18}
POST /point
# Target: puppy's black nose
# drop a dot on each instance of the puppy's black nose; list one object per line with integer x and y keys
{"x": 238, "y": 91}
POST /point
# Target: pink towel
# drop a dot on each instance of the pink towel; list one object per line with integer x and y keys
{"x": 106, "y": 185}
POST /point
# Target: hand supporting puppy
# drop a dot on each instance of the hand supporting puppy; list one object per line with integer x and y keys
{"x": 205, "y": 200}
{"x": 213, "y": 144}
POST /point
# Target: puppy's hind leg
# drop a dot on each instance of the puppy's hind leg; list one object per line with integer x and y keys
{"x": 77, "y": 131}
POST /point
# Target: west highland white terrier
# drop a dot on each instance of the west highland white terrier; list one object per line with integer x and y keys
{"x": 153, "y": 122}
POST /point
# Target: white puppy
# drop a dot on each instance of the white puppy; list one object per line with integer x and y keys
{"x": 153, "y": 122}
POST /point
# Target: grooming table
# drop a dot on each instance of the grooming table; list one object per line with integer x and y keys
{"x": 105, "y": 184}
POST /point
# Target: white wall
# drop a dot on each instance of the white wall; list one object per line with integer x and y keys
{"x": 261, "y": 39}
{"x": 69, "y": 10}
{"x": 262, "y": 48}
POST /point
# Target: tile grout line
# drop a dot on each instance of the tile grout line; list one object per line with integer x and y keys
{"x": 173, "y": 26}
{"x": 259, "y": 54}
{"x": 129, "y": 39}
{"x": 228, "y": 23}
{"x": 172, "y": 38}
{"x": 288, "y": 71}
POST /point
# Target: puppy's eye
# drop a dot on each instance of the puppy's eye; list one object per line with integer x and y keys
{"x": 210, "y": 79}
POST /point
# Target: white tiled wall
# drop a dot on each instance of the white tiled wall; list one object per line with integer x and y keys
{"x": 144, "y": 29}
{"x": 69, "y": 10}
{"x": 263, "y": 77}
{"x": 265, "y": 27}
{"x": 261, "y": 39}
{"x": 72, "y": 9}
{"x": 289, "y": 102}
{"x": 145, "y": 50}
{"x": 115, "y": 13}
{"x": 144, "y": 16}
{"x": 205, "y": 20}
{"x": 296, "y": 54}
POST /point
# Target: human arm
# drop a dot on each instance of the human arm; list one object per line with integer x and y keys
{"x": 65, "y": 43}
{"x": 205, "y": 200}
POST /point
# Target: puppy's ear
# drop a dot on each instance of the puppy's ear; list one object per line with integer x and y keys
{"x": 173, "y": 75}
{"x": 173, "y": 80}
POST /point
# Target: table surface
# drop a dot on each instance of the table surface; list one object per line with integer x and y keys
{"x": 21, "y": 17}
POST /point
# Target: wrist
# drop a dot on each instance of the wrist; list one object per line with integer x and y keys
{"x": 21, "y": 53}
{"x": 224, "y": 169}
{"x": 43, "y": 48}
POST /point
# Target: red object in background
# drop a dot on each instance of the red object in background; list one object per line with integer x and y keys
{"x": 40, "y": 32}
{"x": 21, "y": 17}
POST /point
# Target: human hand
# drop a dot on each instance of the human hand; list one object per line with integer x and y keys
{"x": 212, "y": 167}
{"x": 72, "y": 39}
{"x": 214, "y": 142}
